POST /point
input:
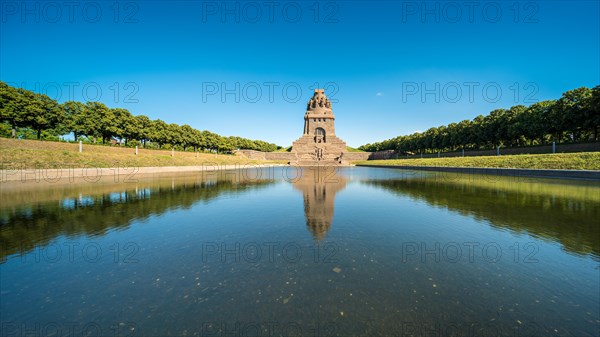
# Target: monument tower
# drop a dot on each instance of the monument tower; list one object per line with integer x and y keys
{"x": 319, "y": 145}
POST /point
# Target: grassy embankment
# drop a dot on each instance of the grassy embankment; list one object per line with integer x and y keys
{"x": 351, "y": 149}
{"x": 558, "y": 161}
{"x": 16, "y": 154}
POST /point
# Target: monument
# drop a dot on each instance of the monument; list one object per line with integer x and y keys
{"x": 319, "y": 145}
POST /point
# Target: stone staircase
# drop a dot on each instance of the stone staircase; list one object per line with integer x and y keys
{"x": 309, "y": 153}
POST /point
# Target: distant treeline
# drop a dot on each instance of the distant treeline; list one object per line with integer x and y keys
{"x": 575, "y": 117}
{"x": 32, "y": 115}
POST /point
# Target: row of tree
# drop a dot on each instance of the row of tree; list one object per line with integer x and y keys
{"x": 572, "y": 118}
{"x": 20, "y": 108}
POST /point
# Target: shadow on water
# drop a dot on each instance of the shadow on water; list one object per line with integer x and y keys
{"x": 560, "y": 211}
{"x": 34, "y": 215}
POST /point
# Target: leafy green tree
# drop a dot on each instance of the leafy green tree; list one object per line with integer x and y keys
{"x": 105, "y": 124}
{"x": 210, "y": 140}
{"x": 497, "y": 126}
{"x": 593, "y": 122}
{"x": 12, "y": 104}
{"x": 514, "y": 125}
{"x": 224, "y": 145}
{"x": 174, "y": 135}
{"x": 574, "y": 111}
{"x": 76, "y": 120}
{"x": 478, "y": 131}
{"x": 144, "y": 125}
{"x": 127, "y": 125}
{"x": 535, "y": 121}
{"x": 197, "y": 139}
{"x": 41, "y": 113}
{"x": 159, "y": 133}
{"x": 187, "y": 136}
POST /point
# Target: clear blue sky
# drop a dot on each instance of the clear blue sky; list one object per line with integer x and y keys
{"x": 170, "y": 59}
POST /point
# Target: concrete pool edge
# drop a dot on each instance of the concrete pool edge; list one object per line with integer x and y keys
{"x": 517, "y": 172}
{"x": 93, "y": 173}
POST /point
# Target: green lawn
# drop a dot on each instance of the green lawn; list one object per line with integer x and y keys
{"x": 17, "y": 154}
{"x": 351, "y": 149}
{"x": 559, "y": 161}
{"x": 284, "y": 149}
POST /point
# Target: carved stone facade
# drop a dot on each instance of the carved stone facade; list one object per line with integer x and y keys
{"x": 319, "y": 145}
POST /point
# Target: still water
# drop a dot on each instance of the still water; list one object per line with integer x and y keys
{"x": 281, "y": 251}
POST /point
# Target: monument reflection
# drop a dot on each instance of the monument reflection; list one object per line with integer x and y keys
{"x": 319, "y": 184}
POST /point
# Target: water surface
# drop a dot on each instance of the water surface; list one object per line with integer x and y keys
{"x": 281, "y": 251}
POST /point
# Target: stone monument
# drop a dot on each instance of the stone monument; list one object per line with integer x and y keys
{"x": 319, "y": 145}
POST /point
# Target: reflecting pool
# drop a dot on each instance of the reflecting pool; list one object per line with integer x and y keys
{"x": 301, "y": 252}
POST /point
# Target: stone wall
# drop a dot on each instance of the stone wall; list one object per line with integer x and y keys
{"x": 386, "y": 154}
{"x": 357, "y": 156}
{"x": 251, "y": 154}
{"x": 280, "y": 156}
{"x": 289, "y": 156}
{"x": 258, "y": 155}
